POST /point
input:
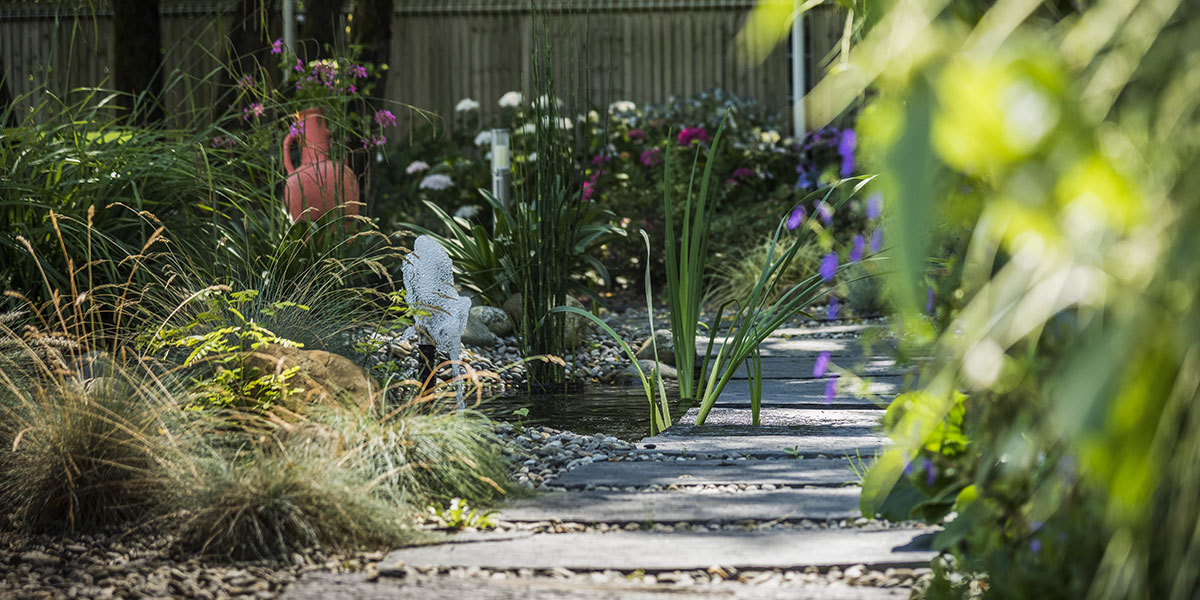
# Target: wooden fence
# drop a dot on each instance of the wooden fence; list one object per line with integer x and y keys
{"x": 444, "y": 50}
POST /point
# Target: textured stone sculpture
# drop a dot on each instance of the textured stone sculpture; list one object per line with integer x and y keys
{"x": 429, "y": 281}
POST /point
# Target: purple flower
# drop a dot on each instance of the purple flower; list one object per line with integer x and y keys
{"x": 636, "y": 134}
{"x": 358, "y": 71}
{"x": 296, "y": 129}
{"x": 930, "y": 473}
{"x": 385, "y": 118}
{"x": 1035, "y": 546}
{"x": 299, "y": 66}
{"x": 856, "y": 252}
{"x": 796, "y": 218}
{"x": 845, "y": 148}
{"x": 829, "y": 265}
{"x": 742, "y": 173}
{"x": 601, "y": 158}
{"x": 821, "y": 364}
{"x": 877, "y": 240}
{"x": 825, "y": 212}
{"x": 245, "y": 83}
{"x": 223, "y": 142}
{"x": 929, "y": 299}
{"x": 277, "y": 46}
{"x": 908, "y": 468}
{"x": 692, "y": 134}
{"x": 874, "y": 206}
{"x": 651, "y": 157}
{"x": 831, "y": 389}
{"x": 831, "y": 312}
{"x": 803, "y": 182}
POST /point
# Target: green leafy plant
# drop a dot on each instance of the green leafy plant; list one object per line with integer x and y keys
{"x": 458, "y": 515}
{"x": 214, "y": 344}
{"x": 757, "y": 317}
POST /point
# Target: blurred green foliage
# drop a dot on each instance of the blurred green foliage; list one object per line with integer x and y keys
{"x": 1040, "y": 170}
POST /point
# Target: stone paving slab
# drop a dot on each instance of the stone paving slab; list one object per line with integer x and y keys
{"x": 786, "y": 472}
{"x": 811, "y": 393}
{"x": 355, "y": 586}
{"x": 801, "y": 367}
{"x": 721, "y": 415}
{"x": 790, "y": 341}
{"x": 835, "y": 444}
{"x": 651, "y": 551}
{"x": 689, "y": 506}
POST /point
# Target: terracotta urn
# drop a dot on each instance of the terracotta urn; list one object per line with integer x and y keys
{"x": 318, "y": 184}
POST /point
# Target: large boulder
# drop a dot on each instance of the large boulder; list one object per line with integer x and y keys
{"x": 495, "y": 319}
{"x": 574, "y": 330}
{"x": 478, "y": 334}
{"x": 666, "y": 347}
{"x": 326, "y": 378}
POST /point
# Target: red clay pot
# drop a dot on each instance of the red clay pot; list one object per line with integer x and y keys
{"x": 319, "y": 184}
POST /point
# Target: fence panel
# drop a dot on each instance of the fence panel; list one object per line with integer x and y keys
{"x": 444, "y": 51}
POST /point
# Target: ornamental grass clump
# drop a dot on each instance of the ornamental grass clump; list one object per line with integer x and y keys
{"x": 81, "y": 436}
{"x": 270, "y": 500}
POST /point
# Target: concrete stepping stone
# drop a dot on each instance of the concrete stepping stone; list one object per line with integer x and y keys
{"x": 687, "y": 506}
{"x": 801, "y": 367}
{"x": 787, "y": 472}
{"x": 652, "y": 552}
{"x": 824, "y": 417}
{"x": 353, "y": 586}
{"x": 808, "y": 442}
{"x": 810, "y": 393}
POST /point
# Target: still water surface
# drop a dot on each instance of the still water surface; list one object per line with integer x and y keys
{"x": 619, "y": 411}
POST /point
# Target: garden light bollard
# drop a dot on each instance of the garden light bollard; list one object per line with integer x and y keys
{"x": 501, "y": 163}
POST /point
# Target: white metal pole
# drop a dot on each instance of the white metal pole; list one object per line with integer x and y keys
{"x": 289, "y": 24}
{"x": 799, "y": 86}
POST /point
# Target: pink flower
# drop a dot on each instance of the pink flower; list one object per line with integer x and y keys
{"x": 589, "y": 186}
{"x": 223, "y": 142}
{"x": 358, "y": 71}
{"x": 636, "y": 134}
{"x": 742, "y": 173}
{"x": 374, "y": 140}
{"x": 245, "y": 83}
{"x": 651, "y": 157}
{"x": 601, "y": 158}
{"x": 254, "y": 110}
{"x": 299, "y": 66}
{"x": 385, "y": 118}
{"x": 277, "y": 46}
{"x": 692, "y": 134}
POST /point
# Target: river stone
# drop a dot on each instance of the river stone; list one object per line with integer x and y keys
{"x": 495, "y": 319}
{"x": 630, "y": 374}
{"x": 325, "y": 377}
{"x": 666, "y": 347}
{"x": 477, "y": 333}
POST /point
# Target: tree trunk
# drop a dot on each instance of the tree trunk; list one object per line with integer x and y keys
{"x": 321, "y": 21}
{"x": 249, "y": 45}
{"x": 372, "y": 29}
{"x": 250, "y": 35}
{"x": 137, "y": 46}
{"x": 8, "y": 112}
